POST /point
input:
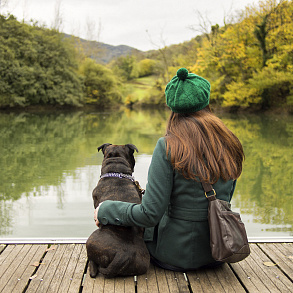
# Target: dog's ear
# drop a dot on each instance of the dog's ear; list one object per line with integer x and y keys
{"x": 132, "y": 147}
{"x": 103, "y": 146}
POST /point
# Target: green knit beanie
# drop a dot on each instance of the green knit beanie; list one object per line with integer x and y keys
{"x": 187, "y": 92}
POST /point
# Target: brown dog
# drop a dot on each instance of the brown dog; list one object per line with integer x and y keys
{"x": 117, "y": 250}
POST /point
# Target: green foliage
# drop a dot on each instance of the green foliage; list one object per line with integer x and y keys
{"x": 267, "y": 87}
{"x": 250, "y": 62}
{"x": 147, "y": 90}
{"x": 156, "y": 94}
{"x": 146, "y": 67}
{"x": 125, "y": 67}
{"x": 101, "y": 86}
{"x": 38, "y": 66}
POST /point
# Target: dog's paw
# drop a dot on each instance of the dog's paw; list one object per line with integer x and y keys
{"x": 93, "y": 269}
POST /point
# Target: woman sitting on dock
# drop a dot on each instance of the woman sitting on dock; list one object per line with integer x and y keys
{"x": 197, "y": 147}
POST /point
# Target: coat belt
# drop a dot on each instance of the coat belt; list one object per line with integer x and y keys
{"x": 181, "y": 213}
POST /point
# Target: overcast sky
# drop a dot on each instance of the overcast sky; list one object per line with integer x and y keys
{"x": 142, "y": 24}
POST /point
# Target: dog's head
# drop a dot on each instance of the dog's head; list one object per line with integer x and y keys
{"x": 118, "y": 154}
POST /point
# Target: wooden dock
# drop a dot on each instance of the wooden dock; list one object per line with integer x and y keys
{"x": 63, "y": 268}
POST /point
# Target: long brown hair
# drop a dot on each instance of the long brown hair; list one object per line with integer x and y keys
{"x": 202, "y": 147}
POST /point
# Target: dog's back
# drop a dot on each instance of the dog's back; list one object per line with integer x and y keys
{"x": 116, "y": 250}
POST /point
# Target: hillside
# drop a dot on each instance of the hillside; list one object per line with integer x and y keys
{"x": 104, "y": 53}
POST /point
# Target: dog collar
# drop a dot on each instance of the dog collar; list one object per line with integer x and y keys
{"x": 118, "y": 175}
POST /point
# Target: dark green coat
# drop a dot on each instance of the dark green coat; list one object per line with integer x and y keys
{"x": 174, "y": 212}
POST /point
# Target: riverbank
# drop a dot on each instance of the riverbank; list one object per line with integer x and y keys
{"x": 140, "y": 106}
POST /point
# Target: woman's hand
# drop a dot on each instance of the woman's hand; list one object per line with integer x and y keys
{"x": 96, "y": 215}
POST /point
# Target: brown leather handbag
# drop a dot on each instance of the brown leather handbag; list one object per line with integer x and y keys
{"x": 228, "y": 238}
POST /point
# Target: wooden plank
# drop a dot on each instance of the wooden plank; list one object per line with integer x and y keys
{"x": 246, "y": 275}
{"x": 129, "y": 284}
{"x": 213, "y": 279}
{"x": 6, "y": 253}
{"x": 263, "y": 278}
{"x": 228, "y": 279}
{"x": 40, "y": 276}
{"x": 182, "y": 282}
{"x": 94, "y": 284}
{"x": 289, "y": 247}
{"x": 209, "y": 279}
{"x": 109, "y": 285}
{"x": 60, "y": 270}
{"x": 281, "y": 256}
{"x": 161, "y": 280}
{"x": 25, "y": 270}
{"x": 30, "y": 269}
{"x": 48, "y": 278}
{"x": 271, "y": 276}
{"x": 78, "y": 273}
{"x": 2, "y": 247}
{"x": 289, "y": 253}
{"x": 7, "y": 256}
{"x": 172, "y": 282}
{"x": 194, "y": 281}
{"x": 141, "y": 285}
{"x": 68, "y": 274}
{"x": 205, "y": 283}
{"x": 220, "y": 281}
{"x": 14, "y": 260}
{"x": 205, "y": 280}
{"x": 148, "y": 281}
{"x": 18, "y": 270}
{"x": 88, "y": 284}
{"x": 3, "y": 258}
{"x": 124, "y": 284}
{"x": 119, "y": 284}
{"x": 99, "y": 283}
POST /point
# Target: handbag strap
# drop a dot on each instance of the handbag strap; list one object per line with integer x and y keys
{"x": 207, "y": 187}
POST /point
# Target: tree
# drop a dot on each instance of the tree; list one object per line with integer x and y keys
{"x": 146, "y": 67}
{"x": 261, "y": 33}
{"x": 58, "y": 20}
{"x": 125, "y": 67}
{"x": 38, "y": 66}
{"x": 250, "y": 62}
{"x": 163, "y": 52}
{"x": 101, "y": 86}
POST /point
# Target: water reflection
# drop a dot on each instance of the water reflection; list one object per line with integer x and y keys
{"x": 264, "y": 188}
{"x": 49, "y": 166}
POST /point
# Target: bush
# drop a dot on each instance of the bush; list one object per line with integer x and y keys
{"x": 100, "y": 84}
{"x": 38, "y": 66}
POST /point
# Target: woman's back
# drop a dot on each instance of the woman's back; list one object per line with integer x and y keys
{"x": 182, "y": 236}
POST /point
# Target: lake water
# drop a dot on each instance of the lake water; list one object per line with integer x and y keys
{"x": 49, "y": 165}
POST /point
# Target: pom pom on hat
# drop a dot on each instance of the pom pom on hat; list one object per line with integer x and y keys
{"x": 187, "y": 92}
{"x": 182, "y": 73}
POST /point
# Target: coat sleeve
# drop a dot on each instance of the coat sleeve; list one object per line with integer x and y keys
{"x": 154, "y": 202}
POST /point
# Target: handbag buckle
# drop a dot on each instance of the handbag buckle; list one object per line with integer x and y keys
{"x": 210, "y": 194}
